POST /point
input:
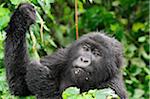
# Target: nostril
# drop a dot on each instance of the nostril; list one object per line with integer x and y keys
{"x": 86, "y": 61}
{"x": 81, "y": 59}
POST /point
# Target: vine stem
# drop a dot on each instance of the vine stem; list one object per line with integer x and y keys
{"x": 76, "y": 19}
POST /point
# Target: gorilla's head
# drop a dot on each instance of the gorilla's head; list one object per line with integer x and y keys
{"x": 94, "y": 58}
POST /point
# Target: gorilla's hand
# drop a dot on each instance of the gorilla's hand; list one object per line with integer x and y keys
{"x": 23, "y": 17}
{"x": 28, "y": 12}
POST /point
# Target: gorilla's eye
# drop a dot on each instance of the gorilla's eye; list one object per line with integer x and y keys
{"x": 86, "y": 47}
{"x": 96, "y": 52}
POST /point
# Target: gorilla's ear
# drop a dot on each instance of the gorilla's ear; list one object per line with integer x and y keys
{"x": 118, "y": 50}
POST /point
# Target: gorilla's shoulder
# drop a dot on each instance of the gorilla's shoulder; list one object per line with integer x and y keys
{"x": 57, "y": 57}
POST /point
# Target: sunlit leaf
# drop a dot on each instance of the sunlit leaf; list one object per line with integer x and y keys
{"x": 4, "y": 17}
{"x": 17, "y": 2}
{"x": 116, "y": 3}
{"x": 91, "y": 1}
{"x": 138, "y": 62}
{"x": 73, "y": 93}
{"x": 97, "y": 1}
{"x": 138, "y": 93}
{"x": 137, "y": 26}
{"x": 142, "y": 39}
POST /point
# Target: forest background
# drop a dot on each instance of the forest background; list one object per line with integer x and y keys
{"x": 126, "y": 20}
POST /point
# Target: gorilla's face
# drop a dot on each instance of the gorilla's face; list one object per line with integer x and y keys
{"x": 83, "y": 64}
{"x": 92, "y": 60}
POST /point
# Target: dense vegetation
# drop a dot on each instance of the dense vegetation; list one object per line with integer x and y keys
{"x": 126, "y": 20}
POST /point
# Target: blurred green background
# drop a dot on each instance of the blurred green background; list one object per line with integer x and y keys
{"x": 126, "y": 20}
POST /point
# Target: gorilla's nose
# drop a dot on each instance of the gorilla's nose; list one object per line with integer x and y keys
{"x": 82, "y": 61}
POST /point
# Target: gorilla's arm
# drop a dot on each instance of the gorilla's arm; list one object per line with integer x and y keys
{"x": 43, "y": 78}
{"x": 117, "y": 84}
{"x": 26, "y": 77}
{"x": 16, "y": 57}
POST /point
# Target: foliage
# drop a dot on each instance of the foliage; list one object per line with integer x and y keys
{"x": 74, "y": 93}
{"x": 126, "y": 20}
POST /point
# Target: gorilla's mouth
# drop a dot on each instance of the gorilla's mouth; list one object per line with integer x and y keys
{"x": 80, "y": 73}
{"x": 78, "y": 70}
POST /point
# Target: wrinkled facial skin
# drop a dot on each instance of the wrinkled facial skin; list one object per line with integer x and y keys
{"x": 84, "y": 63}
{"x": 87, "y": 55}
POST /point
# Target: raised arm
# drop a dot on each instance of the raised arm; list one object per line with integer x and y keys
{"x": 25, "y": 77}
{"x": 16, "y": 56}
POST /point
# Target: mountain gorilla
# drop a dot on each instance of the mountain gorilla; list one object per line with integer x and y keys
{"x": 93, "y": 61}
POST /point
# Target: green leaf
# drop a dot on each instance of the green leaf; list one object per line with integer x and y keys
{"x": 147, "y": 70}
{"x": 103, "y": 94}
{"x": 137, "y": 26}
{"x": 91, "y": 1}
{"x": 131, "y": 50}
{"x": 98, "y": 1}
{"x": 74, "y": 93}
{"x": 72, "y": 90}
{"x": 69, "y": 92}
{"x": 4, "y": 17}
{"x": 17, "y": 2}
{"x": 124, "y": 21}
{"x": 145, "y": 55}
{"x": 116, "y": 3}
{"x": 114, "y": 27}
{"x": 138, "y": 62}
{"x": 52, "y": 43}
{"x": 129, "y": 82}
{"x": 138, "y": 93}
{"x": 142, "y": 39}
{"x": 99, "y": 96}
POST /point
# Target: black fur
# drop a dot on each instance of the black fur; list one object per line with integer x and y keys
{"x": 48, "y": 77}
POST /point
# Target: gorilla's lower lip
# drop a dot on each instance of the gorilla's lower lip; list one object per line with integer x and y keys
{"x": 78, "y": 70}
